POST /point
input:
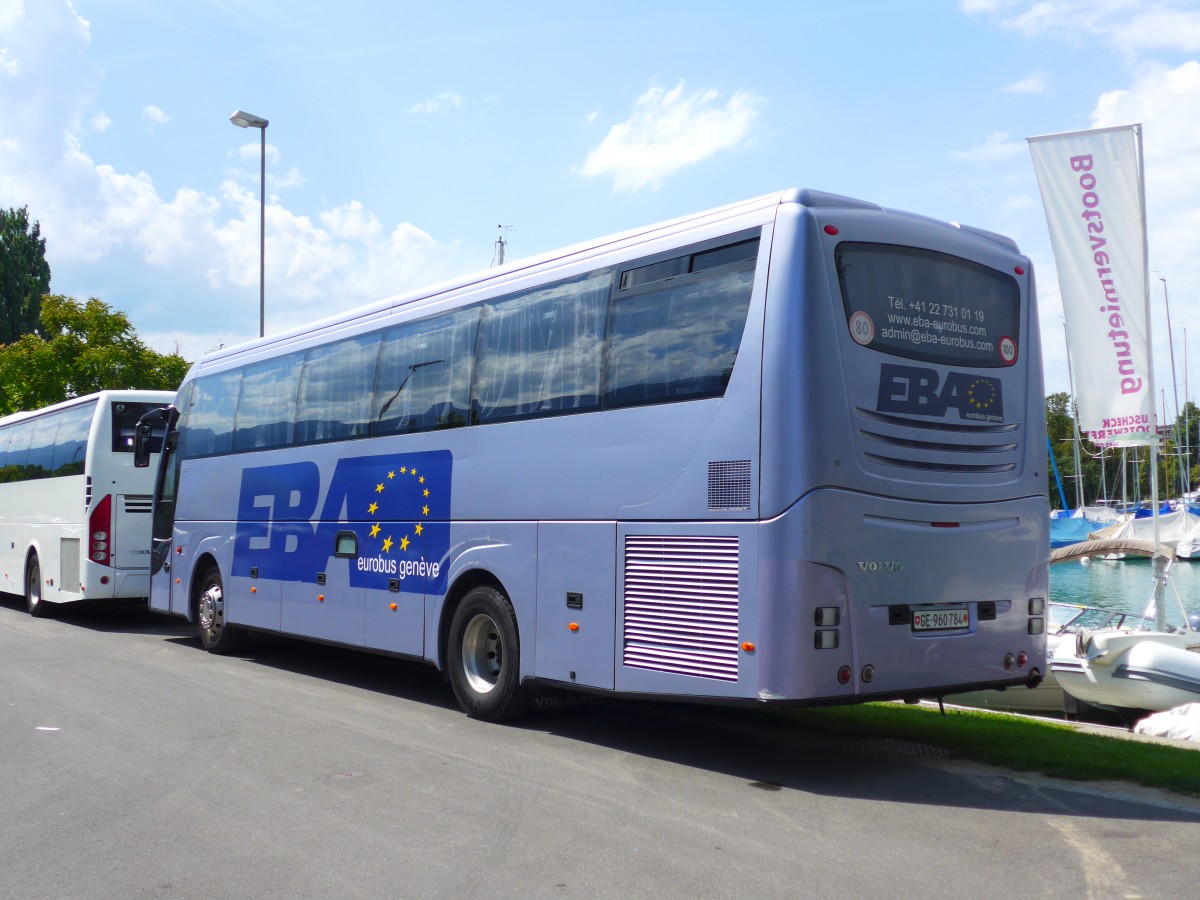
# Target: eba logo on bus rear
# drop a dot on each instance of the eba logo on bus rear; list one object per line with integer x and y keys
{"x": 913, "y": 390}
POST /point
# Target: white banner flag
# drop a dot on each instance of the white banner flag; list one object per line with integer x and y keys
{"x": 1091, "y": 183}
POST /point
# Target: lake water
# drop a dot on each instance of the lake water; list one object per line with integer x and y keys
{"x": 1126, "y": 585}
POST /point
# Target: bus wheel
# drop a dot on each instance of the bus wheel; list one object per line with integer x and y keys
{"x": 34, "y": 602}
{"x": 215, "y": 634}
{"x": 485, "y": 657}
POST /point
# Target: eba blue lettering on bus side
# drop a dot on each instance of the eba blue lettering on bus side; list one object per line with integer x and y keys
{"x": 914, "y": 390}
{"x": 397, "y": 504}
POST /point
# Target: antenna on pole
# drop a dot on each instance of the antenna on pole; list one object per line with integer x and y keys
{"x": 498, "y": 256}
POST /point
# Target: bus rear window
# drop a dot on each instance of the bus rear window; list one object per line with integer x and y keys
{"x": 929, "y": 306}
{"x": 124, "y": 421}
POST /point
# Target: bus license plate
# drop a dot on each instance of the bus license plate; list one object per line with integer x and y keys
{"x": 939, "y": 620}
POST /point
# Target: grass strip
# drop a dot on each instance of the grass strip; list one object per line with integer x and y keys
{"x": 1023, "y": 744}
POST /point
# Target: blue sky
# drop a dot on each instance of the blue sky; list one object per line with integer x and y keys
{"x": 402, "y": 134}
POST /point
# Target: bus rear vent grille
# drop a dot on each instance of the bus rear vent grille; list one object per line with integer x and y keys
{"x": 729, "y": 484}
{"x": 138, "y": 503}
{"x": 681, "y": 605}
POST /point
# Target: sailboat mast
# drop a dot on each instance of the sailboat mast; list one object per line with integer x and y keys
{"x": 1187, "y": 435}
{"x": 1160, "y": 561}
{"x": 1075, "y": 428}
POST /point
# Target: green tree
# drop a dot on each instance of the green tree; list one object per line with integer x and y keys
{"x": 82, "y": 348}
{"x": 24, "y": 274}
{"x": 1060, "y": 428}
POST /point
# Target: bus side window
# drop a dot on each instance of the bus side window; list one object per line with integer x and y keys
{"x": 267, "y": 405}
{"x": 18, "y": 451}
{"x": 676, "y": 343}
{"x": 333, "y": 404}
{"x": 209, "y": 418}
{"x": 71, "y": 446}
{"x": 41, "y": 448}
{"x": 424, "y": 376}
{"x": 540, "y": 353}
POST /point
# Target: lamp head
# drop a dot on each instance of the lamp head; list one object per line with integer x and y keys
{"x": 247, "y": 120}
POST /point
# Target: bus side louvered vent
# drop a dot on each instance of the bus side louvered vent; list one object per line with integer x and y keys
{"x": 729, "y": 484}
{"x": 138, "y": 503}
{"x": 681, "y": 605}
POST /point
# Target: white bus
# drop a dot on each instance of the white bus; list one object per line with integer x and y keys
{"x": 74, "y": 511}
{"x": 787, "y": 451}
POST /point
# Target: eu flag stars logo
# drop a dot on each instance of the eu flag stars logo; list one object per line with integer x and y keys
{"x": 406, "y": 517}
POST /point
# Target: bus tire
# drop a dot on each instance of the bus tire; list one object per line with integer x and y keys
{"x": 216, "y": 635}
{"x": 37, "y": 605}
{"x": 484, "y": 655}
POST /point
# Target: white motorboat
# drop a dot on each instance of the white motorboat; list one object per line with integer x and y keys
{"x": 1066, "y": 622}
{"x": 1132, "y": 665}
{"x": 1130, "y": 669}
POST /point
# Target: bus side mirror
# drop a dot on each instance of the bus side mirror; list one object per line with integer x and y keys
{"x": 141, "y": 444}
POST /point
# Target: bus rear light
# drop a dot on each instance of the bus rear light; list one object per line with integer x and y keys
{"x": 826, "y": 639}
{"x": 1022, "y": 659}
{"x": 828, "y": 617}
{"x": 1009, "y": 662}
{"x": 100, "y": 525}
{"x": 844, "y": 675}
{"x": 868, "y": 674}
{"x": 1020, "y": 270}
{"x": 831, "y": 229}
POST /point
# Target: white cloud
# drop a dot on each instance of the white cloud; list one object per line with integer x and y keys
{"x": 997, "y": 146}
{"x": 276, "y": 180}
{"x": 154, "y": 115}
{"x": 201, "y": 244}
{"x": 669, "y": 130}
{"x": 253, "y": 153}
{"x": 442, "y": 104}
{"x": 1129, "y": 25}
{"x": 1166, "y": 102}
{"x": 1037, "y": 83}
{"x": 11, "y": 12}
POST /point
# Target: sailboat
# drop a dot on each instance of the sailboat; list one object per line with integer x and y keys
{"x": 1093, "y": 190}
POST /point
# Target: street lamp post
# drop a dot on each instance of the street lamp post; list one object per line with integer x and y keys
{"x": 249, "y": 120}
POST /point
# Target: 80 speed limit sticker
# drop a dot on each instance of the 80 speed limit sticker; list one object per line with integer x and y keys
{"x": 862, "y": 328}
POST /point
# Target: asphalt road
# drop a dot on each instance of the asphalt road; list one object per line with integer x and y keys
{"x": 133, "y": 764}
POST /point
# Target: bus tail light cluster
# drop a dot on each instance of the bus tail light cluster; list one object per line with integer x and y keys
{"x": 1020, "y": 660}
{"x": 100, "y": 532}
{"x": 827, "y": 635}
{"x": 1037, "y": 610}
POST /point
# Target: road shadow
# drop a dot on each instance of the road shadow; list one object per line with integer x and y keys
{"x": 114, "y": 616}
{"x": 766, "y": 750}
{"x": 379, "y": 673}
